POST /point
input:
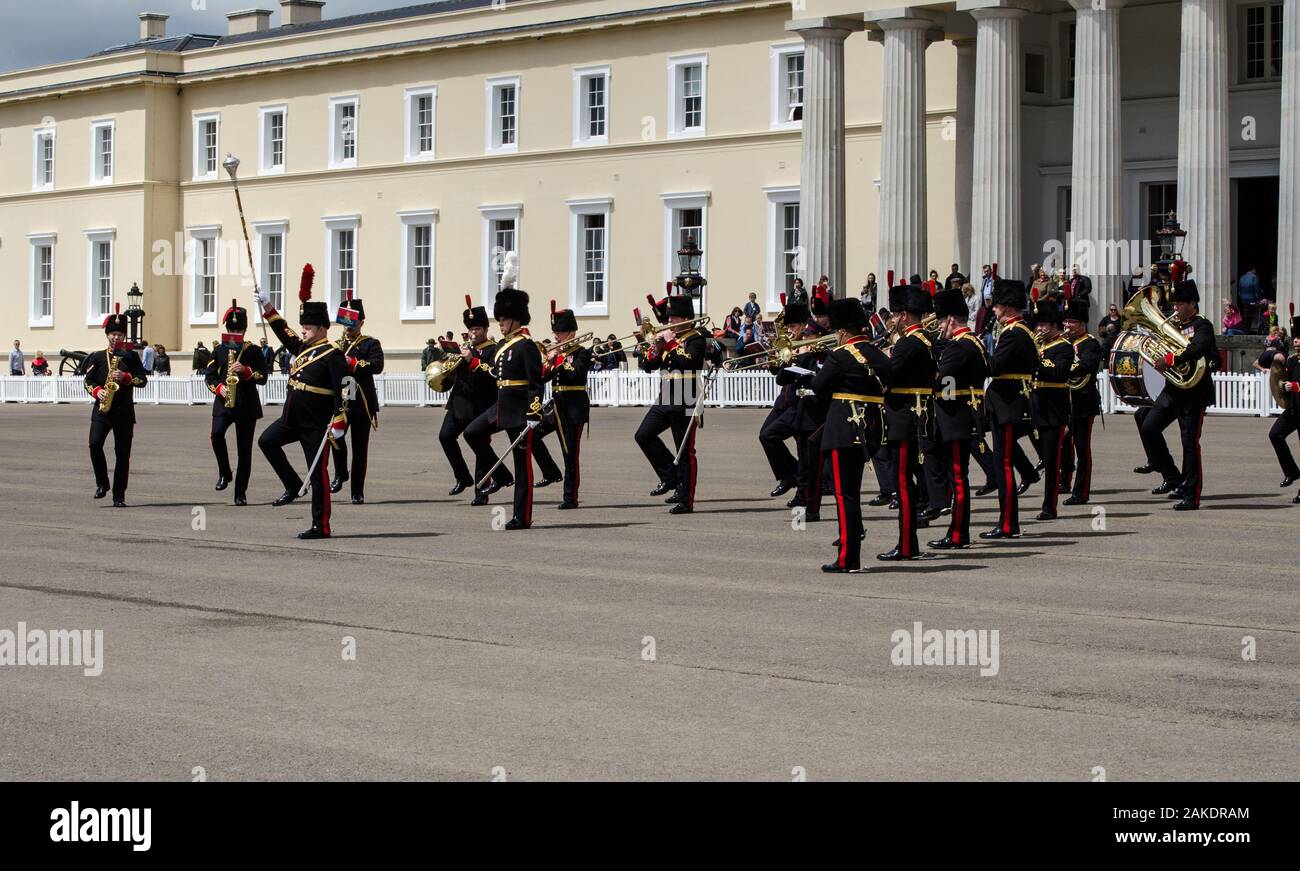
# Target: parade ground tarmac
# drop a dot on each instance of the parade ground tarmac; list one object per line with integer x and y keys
{"x": 621, "y": 642}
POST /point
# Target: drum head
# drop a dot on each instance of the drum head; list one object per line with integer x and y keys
{"x": 1135, "y": 381}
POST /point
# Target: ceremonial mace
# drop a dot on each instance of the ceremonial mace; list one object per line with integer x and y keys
{"x": 231, "y": 163}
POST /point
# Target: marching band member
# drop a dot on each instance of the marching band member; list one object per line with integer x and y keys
{"x": 315, "y": 408}
{"x": 810, "y": 420}
{"x": 365, "y": 358}
{"x": 1085, "y": 404}
{"x": 781, "y": 420}
{"x": 473, "y": 391}
{"x": 518, "y": 410}
{"x": 571, "y": 406}
{"x": 963, "y": 368}
{"x": 235, "y": 363}
{"x": 1050, "y": 403}
{"x": 111, "y": 377}
{"x": 882, "y": 463}
{"x": 849, "y": 383}
{"x": 1186, "y": 405}
{"x": 1012, "y": 365}
{"x": 679, "y": 357}
{"x": 1289, "y": 422}
{"x": 909, "y": 415}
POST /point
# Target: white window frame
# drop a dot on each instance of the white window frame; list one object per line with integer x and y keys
{"x": 336, "y": 104}
{"x": 676, "y": 111}
{"x": 777, "y": 198}
{"x": 212, "y": 233}
{"x": 1242, "y": 42}
{"x": 581, "y": 128}
{"x": 492, "y": 129}
{"x": 508, "y": 211}
{"x": 201, "y": 172}
{"x": 780, "y": 105}
{"x": 673, "y": 202}
{"x": 37, "y": 242}
{"x": 38, "y": 136}
{"x": 264, "y": 141}
{"x": 94, "y": 317}
{"x": 96, "y": 176}
{"x": 263, "y": 230}
{"x": 334, "y": 224}
{"x": 412, "y": 150}
{"x": 578, "y": 209}
{"x": 410, "y": 221}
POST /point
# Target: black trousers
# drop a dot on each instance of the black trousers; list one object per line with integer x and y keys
{"x": 1139, "y": 418}
{"x": 778, "y": 427}
{"x": 983, "y": 456}
{"x": 1050, "y": 447}
{"x": 1282, "y": 428}
{"x": 570, "y": 448}
{"x": 1004, "y": 461}
{"x": 903, "y": 456}
{"x": 1190, "y": 421}
{"x": 1076, "y": 458}
{"x": 886, "y": 477}
{"x": 360, "y": 438}
{"x": 682, "y": 475}
{"x": 123, "y": 434}
{"x": 847, "y": 465}
{"x": 542, "y": 455}
{"x": 809, "y": 471}
{"x": 935, "y": 474}
{"x": 272, "y": 443}
{"x": 245, "y": 429}
{"x": 959, "y": 453}
{"x": 448, "y": 437}
{"x": 478, "y": 435}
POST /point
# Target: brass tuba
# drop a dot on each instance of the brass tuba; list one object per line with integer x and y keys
{"x": 438, "y": 374}
{"x": 1161, "y": 338}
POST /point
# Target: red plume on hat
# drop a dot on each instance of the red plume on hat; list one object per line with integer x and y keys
{"x": 649, "y": 297}
{"x": 552, "y": 306}
{"x": 783, "y": 299}
{"x": 304, "y": 286}
{"x": 1065, "y": 288}
{"x": 234, "y": 304}
{"x": 889, "y": 278}
{"x": 469, "y": 303}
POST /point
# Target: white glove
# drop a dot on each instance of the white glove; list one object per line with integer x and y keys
{"x": 262, "y": 298}
{"x": 336, "y": 432}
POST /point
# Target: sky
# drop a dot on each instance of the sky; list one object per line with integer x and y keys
{"x": 38, "y": 32}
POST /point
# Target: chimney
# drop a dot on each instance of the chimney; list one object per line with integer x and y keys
{"x": 153, "y": 25}
{"x": 249, "y": 21}
{"x": 300, "y": 12}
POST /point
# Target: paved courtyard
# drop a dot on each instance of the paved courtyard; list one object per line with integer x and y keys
{"x": 619, "y": 641}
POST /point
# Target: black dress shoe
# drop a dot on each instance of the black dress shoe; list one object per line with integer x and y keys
{"x": 679, "y": 508}
{"x": 674, "y": 499}
{"x": 285, "y": 498}
{"x": 1023, "y": 486}
{"x": 925, "y": 519}
{"x": 882, "y": 499}
{"x": 480, "y": 498}
{"x": 546, "y": 482}
{"x": 998, "y": 533}
{"x": 566, "y": 505}
{"x": 459, "y": 488}
{"x": 1075, "y": 500}
{"x": 119, "y": 503}
{"x": 946, "y": 543}
{"x": 515, "y": 523}
{"x": 1176, "y": 493}
{"x": 782, "y": 488}
{"x": 1296, "y": 500}
{"x": 894, "y": 503}
{"x": 358, "y": 500}
{"x": 1038, "y": 467}
{"x": 1165, "y": 486}
{"x": 796, "y": 502}
{"x": 986, "y": 489}
{"x": 222, "y": 483}
{"x": 495, "y": 485}
{"x": 101, "y": 492}
{"x": 895, "y": 555}
{"x": 1046, "y": 515}
{"x": 337, "y": 484}
{"x": 1287, "y": 482}
{"x": 1143, "y": 470}
{"x": 664, "y": 487}
{"x": 1065, "y": 485}
{"x": 241, "y": 500}
{"x": 314, "y": 532}
{"x": 836, "y": 568}
{"x": 812, "y": 518}
{"x": 1187, "y": 505}
{"x": 947, "y": 509}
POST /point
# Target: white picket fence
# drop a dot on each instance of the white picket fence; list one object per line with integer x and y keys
{"x": 1238, "y": 393}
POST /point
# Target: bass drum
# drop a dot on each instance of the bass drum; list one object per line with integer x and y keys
{"x": 1135, "y": 382}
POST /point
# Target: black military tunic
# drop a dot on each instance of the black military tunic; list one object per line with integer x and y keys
{"x": 963, "y": 369}
{"x": 1085, "y": 399}
{"x": 97, "y": 368}
{"x": 1187, "y": 406}
{"x": 245, "y": 414}
{"x": 569, "y": 413}
{"x": 805, "y": 422}
{"x": 365, "y": 358}
{"x": 679, "y": 365}
{"x": 909, "y": 417}
{"x": 1289, "y": 421}
{"x": 473, "y": 391}
{"x": 1012, "y": 365}
{"x": 1051, "y": 410}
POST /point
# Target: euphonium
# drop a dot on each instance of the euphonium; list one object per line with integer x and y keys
{"x": 110, "y": 384}
{"x": 232, "y": 381}
{"x": 1164, "y": 338}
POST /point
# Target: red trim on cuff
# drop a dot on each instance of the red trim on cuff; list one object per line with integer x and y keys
{"x": 473, "y": 363}
{"x": 1169, "y": 359}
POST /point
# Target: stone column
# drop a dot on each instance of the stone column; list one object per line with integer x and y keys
{"x": 995, "y": 185}
{"x": 1288, "y": 198}
{"x": 1098, "y": 168}
{"x": 965, "y": 142}
{"x": 903, "y": 225}
{"x": 821, "y": 164}
{"x": 1203, "y": 207}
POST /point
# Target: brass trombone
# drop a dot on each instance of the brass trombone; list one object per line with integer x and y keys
{"x": 570, "y": 345}
{"x": 781, "y": 355}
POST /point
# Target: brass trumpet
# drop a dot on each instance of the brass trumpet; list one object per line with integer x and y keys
{"x": 643, "y": 336}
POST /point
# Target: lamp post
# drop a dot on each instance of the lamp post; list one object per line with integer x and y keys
{"x": 1171, "y": 237}
{"x": 135, "y": 316}
{"x": 689, "y": 280}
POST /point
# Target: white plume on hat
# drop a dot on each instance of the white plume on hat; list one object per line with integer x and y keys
{"x": 510, "y": 270}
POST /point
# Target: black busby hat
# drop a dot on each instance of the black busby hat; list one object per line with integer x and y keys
{"x": 847, "y": 314}
{"x": 915, "y": 280}
{"x": 795, "y": 312}
{"x": 563, "y": 320}
{"x": 918, "y": 301}
{"x": 116, "y": 322}
{"x": 951, "y": 303}
{"x": 681, "y": 306}
{"x": 1185, "y": 291}
{"x": 314, "y": 314}
{"x": 511, "y": 303}
{"x": 475, "y": 315}
{"x": 354, "y": 304}
{"x": 818, "y": 306}
{"x": 235, "y": 318}
{"x": 1048, "y": 312}
{"x": 1077, "y": 310}
{"x": 1009, "y": 292}
{"x": 897, "y": 298}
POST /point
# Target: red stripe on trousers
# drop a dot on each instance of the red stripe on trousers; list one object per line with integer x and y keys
{"x": 839, "y": 509}
{"x": 325, "y": 487}
{"x": 904, "y": 503}
{"x": 1010, "y": 489}
{"x": 959, "y": 503}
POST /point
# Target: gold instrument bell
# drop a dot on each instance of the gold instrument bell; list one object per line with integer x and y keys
{"x": 1160, "y": 338}
{"x": 438, "y": 374}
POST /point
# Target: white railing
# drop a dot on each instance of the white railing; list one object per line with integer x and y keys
{"x": 1238, "y": 393}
